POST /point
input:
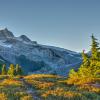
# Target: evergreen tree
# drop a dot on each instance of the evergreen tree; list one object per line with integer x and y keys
{"x": 85, "y": 59}
{"x": 95, "y": 54}
{"x": 18, "y": 70}
{"x": 4, "y": 71}
{"x": 95, "y": 57}
{"x": 84, "y": 68}
{"x": 90, "y": 67}
{"x": 11, "y": 70}
{"x": 0, "y": 68}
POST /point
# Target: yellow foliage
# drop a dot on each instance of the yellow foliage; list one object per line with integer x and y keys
{"x": 3, "y": 96}
{"x": 11, "y": 82}
{"x": 71, "y": 94}
{"x": 40, "y": 85}
{"x": 27, "y": 98}
{"x": 34, "y": 76}
{"x": 20, "y": 94}
{"x": 60, "y": 92}
{"x": 89, "y": 88}
{"x": 57, "y": 92}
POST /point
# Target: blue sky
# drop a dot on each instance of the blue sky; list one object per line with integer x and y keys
{"x": 63, "y": 23}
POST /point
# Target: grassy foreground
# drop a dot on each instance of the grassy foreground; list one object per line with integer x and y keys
{"x": 44, "y": 87}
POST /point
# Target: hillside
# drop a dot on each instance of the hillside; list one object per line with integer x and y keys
{"x": 34, "y": 57}
{"x": 80, "y": 84}
{"x": 44, "y": 87}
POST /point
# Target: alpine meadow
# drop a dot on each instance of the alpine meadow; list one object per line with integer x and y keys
{"x": 81, "y": 83}
{"x": 49, "y": 49}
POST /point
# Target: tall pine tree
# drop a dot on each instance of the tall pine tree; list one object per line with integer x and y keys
{"x": 11, "y": 70}
{"x": 4, "y": 71}
{"x": 95, "y": 58}
{"x": 84, "y": 68}
{"x": 90, "y": 67}
{"x": 85, "y": 59}
{"x": 18, "y": 70}
{"x": 95, "y": 54}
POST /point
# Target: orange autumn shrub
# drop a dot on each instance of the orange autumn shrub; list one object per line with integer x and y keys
{"x": 89, "y": 88}
{"x": 7, "y": 82}
{"x": 3, "y": 96}
{"x": 27, "y": 98}
{"x": 61, "y": 92}
{"x": 34, "y": 76}
{"x": 40, "y": 85}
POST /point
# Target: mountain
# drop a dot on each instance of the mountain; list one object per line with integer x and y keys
{"x": 6, "y": 34}
{"x": 34, "y": 57}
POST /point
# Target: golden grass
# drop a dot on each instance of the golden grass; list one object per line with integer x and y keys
{"x": 3, "y": 96}
{"x": 40, "y": 85}
{"x": 27, "y": 98}
{"x": 60, "y": 92}
{"x": 34, "y": 76}
{"x": 7, "y": 82}
{"x": 82, "y": 81}
{"x": 89, "y": 88}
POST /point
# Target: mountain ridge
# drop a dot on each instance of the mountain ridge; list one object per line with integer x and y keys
{"x": 34, "y": 57}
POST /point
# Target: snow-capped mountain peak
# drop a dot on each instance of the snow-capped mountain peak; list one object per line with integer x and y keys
{"x": 25, "y": 38}
{"x": 34, "y": 57}
{"x": 5, "y": 33}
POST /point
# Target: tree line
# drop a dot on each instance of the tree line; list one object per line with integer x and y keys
{"x": 13, "y": 70}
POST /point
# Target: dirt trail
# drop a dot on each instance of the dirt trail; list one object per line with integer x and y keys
{"x": 30, "y": 90}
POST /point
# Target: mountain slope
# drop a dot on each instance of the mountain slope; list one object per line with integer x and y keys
{"x": 36, "y": 58}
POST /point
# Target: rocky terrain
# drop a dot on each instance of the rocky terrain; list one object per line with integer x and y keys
{"x": 34, "y": 57}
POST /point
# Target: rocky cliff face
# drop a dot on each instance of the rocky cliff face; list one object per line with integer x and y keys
{"x": 6, "y": 34}
{"x": 36, "y": 58}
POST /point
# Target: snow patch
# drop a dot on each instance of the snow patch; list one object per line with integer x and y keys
{"x": 5, "y": 44}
